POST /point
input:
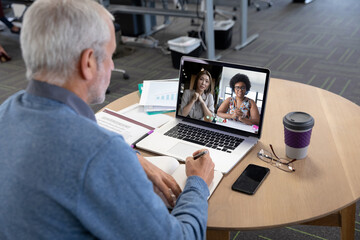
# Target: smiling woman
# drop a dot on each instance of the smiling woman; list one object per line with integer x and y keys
{"x": 240, "y": 108}
{"x": 198, "y": 102}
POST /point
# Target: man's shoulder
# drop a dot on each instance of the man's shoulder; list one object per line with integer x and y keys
{"x": 83, "y": 127}
{"x": 48, "y": 115}
{"x": 13, "y": 97}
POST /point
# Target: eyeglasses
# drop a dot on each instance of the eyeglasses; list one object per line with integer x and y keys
{"x": 240, "y": 88}
{"x": 271, "y": 158}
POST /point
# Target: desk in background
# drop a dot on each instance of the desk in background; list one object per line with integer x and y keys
{"x": 325, "y": 186}
{"x": 208, "y": 15}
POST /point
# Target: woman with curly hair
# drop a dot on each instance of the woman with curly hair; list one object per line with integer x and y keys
{"x": 240, "y": 108}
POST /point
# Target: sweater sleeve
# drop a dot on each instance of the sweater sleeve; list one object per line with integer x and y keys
{"x": 116, "y": 200}
{"x": 210, "y": 103}
{"x": 185, "y": 100}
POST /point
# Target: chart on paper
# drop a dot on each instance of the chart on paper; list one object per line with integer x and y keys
{"x": 159, "y": 93}
{"x": 165, "y": 97}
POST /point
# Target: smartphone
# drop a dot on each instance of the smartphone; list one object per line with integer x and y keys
{"x": 250, "y": 179}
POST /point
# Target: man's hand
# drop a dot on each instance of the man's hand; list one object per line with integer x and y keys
{"x": 202, "y": 167}
{"x": 163, "y": 182}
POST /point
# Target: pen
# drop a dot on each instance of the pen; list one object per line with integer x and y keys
{"x": 141, "y": 138}
{"x": 200, "y": 154}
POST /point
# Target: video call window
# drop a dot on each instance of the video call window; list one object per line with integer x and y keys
{"x": 257, "y": 81}
{"x": 218, "y": 91}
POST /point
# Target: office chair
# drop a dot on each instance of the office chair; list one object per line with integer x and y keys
{"x": 125, "y": 75}
{"x": 117, "y": 28}
{"x": 18, "y": 8}
{"x": 119, "y": 43}
{"x": 256, "y": 3}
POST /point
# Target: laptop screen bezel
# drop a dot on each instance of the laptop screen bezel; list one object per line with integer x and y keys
{"x": 230, "y": 65}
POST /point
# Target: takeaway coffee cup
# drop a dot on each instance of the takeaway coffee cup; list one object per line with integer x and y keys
{"x": 297, "y": 128}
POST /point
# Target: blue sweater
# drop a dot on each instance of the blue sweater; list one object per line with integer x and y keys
{"x": 64, "y": 177}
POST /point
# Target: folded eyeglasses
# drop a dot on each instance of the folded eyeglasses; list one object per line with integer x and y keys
{"x": 274, "y": 160}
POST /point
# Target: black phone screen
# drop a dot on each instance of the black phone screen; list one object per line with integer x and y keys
{"x": 250, "y": 179}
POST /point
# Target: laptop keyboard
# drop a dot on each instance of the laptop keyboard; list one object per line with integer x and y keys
{"x": 204, "y": 137}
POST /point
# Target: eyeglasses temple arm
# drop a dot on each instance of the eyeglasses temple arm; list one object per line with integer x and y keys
{"x": 291, "y": 161}
{"x": 272, "y": 149}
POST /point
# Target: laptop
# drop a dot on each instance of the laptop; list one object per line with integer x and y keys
{"x": 227, "y": 140}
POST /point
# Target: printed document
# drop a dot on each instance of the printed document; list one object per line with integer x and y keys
{"x": 137, "y": 112}
{"x": 130, "y": 129}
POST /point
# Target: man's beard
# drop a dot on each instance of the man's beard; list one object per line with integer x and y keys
{"x": 97, "y": 91}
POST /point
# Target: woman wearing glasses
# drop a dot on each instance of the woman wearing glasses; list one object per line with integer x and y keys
{"x": 198, "y": 102}
{"x": 240, "y": 108}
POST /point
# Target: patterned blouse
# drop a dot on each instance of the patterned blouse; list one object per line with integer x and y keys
{"x": 245, "y": 107}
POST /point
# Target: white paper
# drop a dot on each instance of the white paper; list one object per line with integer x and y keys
{"x": 130, "y": 131}
{"x": 138, "y": 113}
{"x": 180, "y": 177}
{"x": 149, "y": 108}
{"x": 159, "y": 93}
{"x": 165, "y": 163}
{"x": 171, "y": 166}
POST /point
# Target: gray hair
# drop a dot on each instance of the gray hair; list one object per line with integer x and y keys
{"x": 56, "y": 32}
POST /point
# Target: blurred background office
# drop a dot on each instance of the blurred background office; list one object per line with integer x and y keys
{"x": 316, "y": 44}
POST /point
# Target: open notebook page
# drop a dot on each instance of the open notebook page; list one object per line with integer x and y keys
{"x": 171, "y": 166}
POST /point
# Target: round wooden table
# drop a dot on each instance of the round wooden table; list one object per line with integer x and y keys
{"x": 326, "y": 184}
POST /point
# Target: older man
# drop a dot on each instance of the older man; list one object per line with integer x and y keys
{"x": 61, "y": 175}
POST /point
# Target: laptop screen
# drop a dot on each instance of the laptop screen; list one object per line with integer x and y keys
{"x": 224, "y": 96}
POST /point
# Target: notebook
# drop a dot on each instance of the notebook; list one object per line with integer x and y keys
{"x": 228, "y": 141}
{"x": 177, "y": 171}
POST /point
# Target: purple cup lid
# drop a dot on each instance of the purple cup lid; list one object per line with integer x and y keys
{"x": 298, "y": 121}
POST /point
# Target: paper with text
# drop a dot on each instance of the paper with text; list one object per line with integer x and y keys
{"x": 130, "y": 130}
{"x": 138, "y": 113}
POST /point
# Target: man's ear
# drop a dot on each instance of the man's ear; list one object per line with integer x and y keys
{"x": 88, "y": 65}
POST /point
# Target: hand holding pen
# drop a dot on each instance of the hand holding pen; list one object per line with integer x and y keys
{"x": 164, "y": 184}
{"x": 200, "y": 164}
{"x": 200, "y": 154}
